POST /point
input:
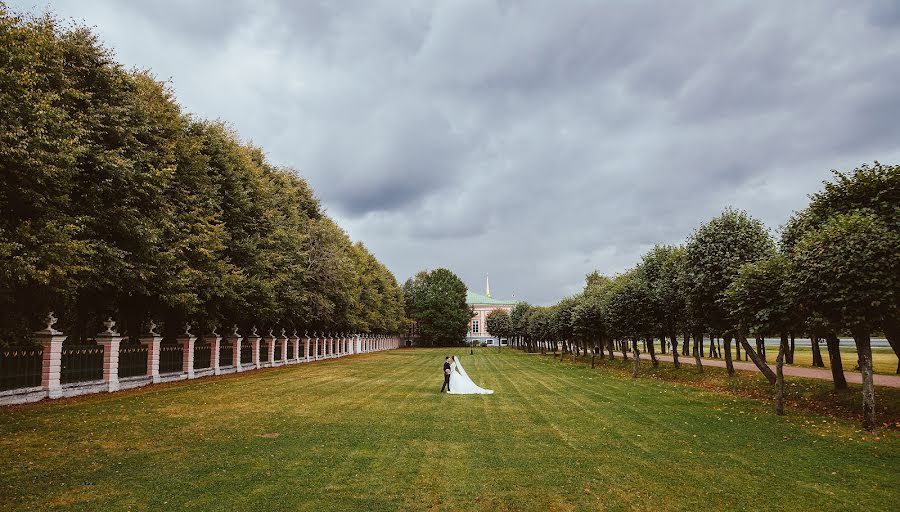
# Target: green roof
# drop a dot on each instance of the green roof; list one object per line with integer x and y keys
{"x": 477, "y": 298}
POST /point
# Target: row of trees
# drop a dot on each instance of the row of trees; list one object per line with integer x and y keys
{"x": 115, "y": 202}
{"x": 835, "y": 271}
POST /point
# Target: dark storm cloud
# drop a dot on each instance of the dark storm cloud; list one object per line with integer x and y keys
{"x": 533, "y": 140}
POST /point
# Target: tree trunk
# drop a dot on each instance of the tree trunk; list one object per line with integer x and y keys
{"x": 662, "y": 344}
{"x": 728, "y": 364}
{"x": 575, "y": 351}
{"x": 637, "y": 358}
{"x": 609, "y": 345}
{"x": 737, "y": 351}
{"x": 761, "y": 346}
{"x": 562, "y": 351}
{"x": 834, "y": 359}
{"x": 675, "y": 352}
{"x": 779, "y": 382}
{"x": 816, "y": 352}
{"x": 698, "y": 340}
{"x": 892, "y": 334}
{"x": 652, "y": 350}
{"x": 864, "y": 349}
{"x": 758, "y": 361}
{"x": 594, "y": 356}
{"x": 686, "y": 347}
{"x": 623, "y": 344}
{"x": 790, "y": 354}
{"x": 702, "y": 345}
{"x": 784, "y": 344}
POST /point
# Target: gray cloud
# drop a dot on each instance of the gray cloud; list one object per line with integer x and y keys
{"x": 533, "y": 140}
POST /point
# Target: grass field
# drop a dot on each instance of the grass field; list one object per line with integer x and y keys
{"x": 371, "y": 432}
{"x": 883, "y": 358}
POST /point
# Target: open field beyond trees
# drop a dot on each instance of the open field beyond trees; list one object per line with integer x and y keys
{"x": 371, "y": 432}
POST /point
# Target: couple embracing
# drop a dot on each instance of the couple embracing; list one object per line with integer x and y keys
{"x": 457, "y": 382}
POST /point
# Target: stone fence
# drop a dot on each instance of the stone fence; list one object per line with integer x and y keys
{"x": 63, "y": 371}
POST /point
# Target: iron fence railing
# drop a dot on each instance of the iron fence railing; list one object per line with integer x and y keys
{"x": 202, "y": 356}
{"x": 277, "y": 350}
{"x": 290, "y": 352}
{"x": 226, "y": 354}
{"x": 81, "y": 363}
{"x": 132, "y": 360}
{"x": 20, "y": 368}
{"x": 171, "y": 358}
{"x": 246, "y": 354}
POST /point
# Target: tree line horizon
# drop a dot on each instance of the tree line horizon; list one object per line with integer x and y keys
{"x": 835, "y": 270}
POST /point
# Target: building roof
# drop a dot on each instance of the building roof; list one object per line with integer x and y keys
{"x": 477, "y": 298}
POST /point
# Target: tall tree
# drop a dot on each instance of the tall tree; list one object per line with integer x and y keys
{"x": 712, "y": 258}
{"x": 849, "y": 272}
{"x": 499, "y": 324}
{"x": 436, "y": 300}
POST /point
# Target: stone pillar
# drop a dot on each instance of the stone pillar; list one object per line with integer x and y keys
{"x": 306, "y": 341}
{"x": 187, "y": 341}
{"x": 151, "y": 340}
{"x": 110, "y": 340}
{"x": 295, "y": 340}
{"x": 235, "y": 339}
{"x": 331, "y": 346}
{"x": 215, "y": 344}
{"x": 284, "y": 344}
{"x": 51, "y": 340}
{"x": 269, "y": 340}
{"x": 254, "y": 344}
{"x": 315, "y": 354}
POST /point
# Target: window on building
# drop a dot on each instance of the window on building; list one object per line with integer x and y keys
{"x": 475, "y": 326}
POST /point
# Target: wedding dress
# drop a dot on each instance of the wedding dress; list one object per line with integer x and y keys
{"x": 461, "y": 384}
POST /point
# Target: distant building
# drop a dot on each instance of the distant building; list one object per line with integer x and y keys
{"x": 482, "y": 306}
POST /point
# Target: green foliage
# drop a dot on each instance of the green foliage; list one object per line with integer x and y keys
{"x": 848, "y": 271}
{"x": 436, "y": 300}
{"x": 758, "y": 299}
{"x": 712, "y": 258}
{"x": 116, "y": 203}
{"x": 499, "y": 324}
{"x": 868, "y": 189}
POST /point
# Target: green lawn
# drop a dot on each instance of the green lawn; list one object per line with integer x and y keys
{"x": 371, "y": 432}
{"x": 883, "y": 358}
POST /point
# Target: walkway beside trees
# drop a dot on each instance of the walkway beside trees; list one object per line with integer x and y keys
{"x": 890, "y": 381}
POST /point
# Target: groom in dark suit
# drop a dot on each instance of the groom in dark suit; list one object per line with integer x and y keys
{"x": 446, "y": 374}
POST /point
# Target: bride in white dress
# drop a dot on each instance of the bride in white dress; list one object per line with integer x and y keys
{"x": 461, "y": 384}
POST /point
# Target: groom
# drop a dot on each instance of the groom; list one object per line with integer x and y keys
{"x": 446, "y": 374}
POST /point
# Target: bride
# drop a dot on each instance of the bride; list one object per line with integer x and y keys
{"x": 461, "y": 384}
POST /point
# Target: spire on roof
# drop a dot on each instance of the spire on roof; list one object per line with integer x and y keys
{"x": 487, "y": 285}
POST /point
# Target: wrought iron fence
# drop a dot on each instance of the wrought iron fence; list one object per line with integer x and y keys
{"x": 278, "y": 350}
{"x": 20, "y": 368}
{"x": 171, "y": 358}
{"x": 132, "y": 360}
{"x": 226, "y": 354}
{"x": 81, "y": 363}
{"x": 246, "y": 354}
{"x": 290, "y": 352}
{"x": 202, "y": 356}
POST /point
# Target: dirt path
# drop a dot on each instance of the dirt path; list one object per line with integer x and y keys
{"x": 891, "y": 381}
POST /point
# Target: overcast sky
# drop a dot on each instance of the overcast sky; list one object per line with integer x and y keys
{"x": 532, "y": 140}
